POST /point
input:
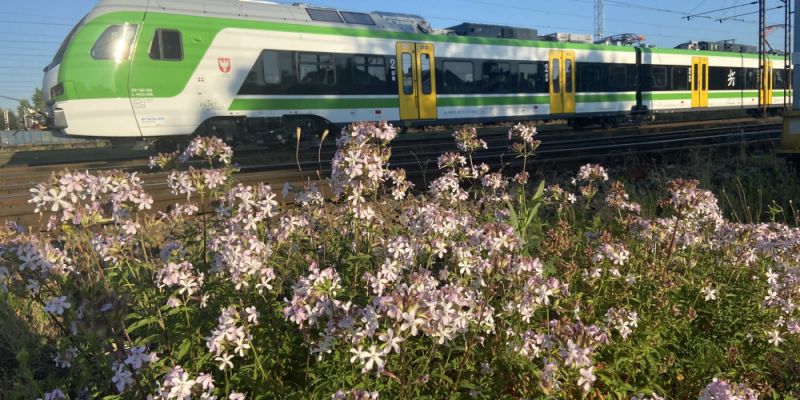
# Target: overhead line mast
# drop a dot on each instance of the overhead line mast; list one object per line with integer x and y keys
{"x": 598, "y": 21}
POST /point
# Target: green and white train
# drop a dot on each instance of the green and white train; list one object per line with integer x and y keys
{"x": 155, "y": 68}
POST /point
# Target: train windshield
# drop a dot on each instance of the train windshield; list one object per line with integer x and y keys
{"x": 63, "y": 48}
{"x": 115, "y": 43}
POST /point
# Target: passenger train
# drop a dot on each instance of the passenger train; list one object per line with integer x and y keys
{"x": 156, "y": 68}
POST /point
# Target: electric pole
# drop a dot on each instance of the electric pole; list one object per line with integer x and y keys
{"x": 598, "y": 21}
{"x": 5, "y": 118}
{"x": 762, "y": 57}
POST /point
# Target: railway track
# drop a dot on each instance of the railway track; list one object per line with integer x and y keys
{"x": 417, "y": 155}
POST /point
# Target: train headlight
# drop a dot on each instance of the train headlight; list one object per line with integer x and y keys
{"x": 57, "y": 90}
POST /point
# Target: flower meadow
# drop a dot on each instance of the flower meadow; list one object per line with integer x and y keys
{"x": 484, "y": 284}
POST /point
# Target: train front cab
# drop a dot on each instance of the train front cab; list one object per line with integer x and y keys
{"x": 417, "y": 81}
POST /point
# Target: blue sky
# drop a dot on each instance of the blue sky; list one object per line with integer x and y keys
{"x": 31, "y": 30}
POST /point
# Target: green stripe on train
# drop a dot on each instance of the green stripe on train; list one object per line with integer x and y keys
{"x": 310, "y": 104}
{"x": 473, "y": 101}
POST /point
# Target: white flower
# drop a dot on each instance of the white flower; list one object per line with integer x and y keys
{"x": 57, "y": 305}
{"x": 587, "y": 378}
{"x": 391, "y": 342}
{"x": 774, "y": 337}
{"x": 225, "y": 361}
{"x": 137, "y": 357}
{"x": 122, "y": 377}
{"x": 709, "y": 293}
{"x": 252, "y": 315}
{"x": 372, "y": 356}
{"x": 236, "y": 396}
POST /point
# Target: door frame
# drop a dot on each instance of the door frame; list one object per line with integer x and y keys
{"x": 561, "y": 81}
{"x": 699, "y": 82}
{"x": 416, "y": 87}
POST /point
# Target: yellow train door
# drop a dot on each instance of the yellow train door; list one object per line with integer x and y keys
{"x": 562, "y": 81}
{"x": 766, "y": 90}
{"x": 699, "y": 82}
{"x": 417, "y": 80}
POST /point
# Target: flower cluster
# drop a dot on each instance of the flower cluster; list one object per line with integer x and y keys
{"x": 720, "y": 389}
{"x": 81, "y": 198}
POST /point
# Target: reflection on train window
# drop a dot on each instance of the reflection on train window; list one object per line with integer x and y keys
{"x": 369, "y": 70}
{"x": 408, "y": 73}
{"x": 425, "y": 72}
{"x": 556, "y": 76}
{"x": 315, "y": 69}
{"x": 658, "y": 77}
{"x": 357, "y": 18}
{"x": 680, "y": 78}
{"x": 115, "y": 43}
{"x": 617, "y": 76}
{"x": 531, "y": 78}
{"x": 323, "y": 15}
{"x": 779, "y": 79}
{"x": 496, "y": 77}
{"x": 568, "y": 75}
{"x": 167, "y": 45}
{"x": 458, "y": 76}
{"x": 271, "y": 68}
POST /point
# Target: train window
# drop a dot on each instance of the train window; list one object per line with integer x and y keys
{"x": 458, "y": 76}
{"x": 425, "y": 72}
{"x": 751, "y": 78}
{"x": 496, "y": 77}
{"x": 778, "y": 79}
{"x": 658, "y": 77}
{"x": 617, "y": 76}
{"x": 316, "y": 69}
{"x": 408, "y": 73}
{"x": 323, "y": 15}
{"x": 271, "y": 67}
{"x": 591, "y": 77}
{"x": 556, "y": 76}
{"x": 167, "y": 45}
{"x": 357, "y": 18}
{"x": 568, "y": 75}
{"x": 696, "y": 77}
{"x": 531, "y": 78}
{"x": 115, "y": 43}
{"x": 680, "y": 78}
{"x": 369, "y": 70}
{"x": 705, "y": 75}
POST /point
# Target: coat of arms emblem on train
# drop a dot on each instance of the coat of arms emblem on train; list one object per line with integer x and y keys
{"x": 224, "y": 64}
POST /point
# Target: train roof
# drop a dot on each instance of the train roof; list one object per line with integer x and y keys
{"x": 409, "y": 26}
{"x": 268, "y": 11}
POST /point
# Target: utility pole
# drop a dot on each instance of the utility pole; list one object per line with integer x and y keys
{"x": 598, "y": 21}
{"x": 787, "y": 51}
{"x": 762, "y": 57}
{"x": 5, "y": 118}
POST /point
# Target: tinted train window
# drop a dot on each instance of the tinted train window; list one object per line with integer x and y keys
{"x": 317, "y": 14}
{"x": 724, "y": 78}
{"x": 658, "y": 77}
{"x": 458, "y": 77}
{"x": 617, "y": 76}
{"x": 591, "y": 77}
{"x": 425, "y": 73}
{"x": 778, "y": 79}
{"x": 167, "y": 45}
{"x": 357, "y": 18}
{"x": 315, "y": 69}
{"x": 369, "y": 70}
{"x": 115, "y": 43}
{"x": 271, "y": 67}
{"x": 408, "y": 73}
{"x": 680, "y": 78}
{"x": 496, "y": 77}
{"x": 531, "y": 78}
{"x": 751, "y": 78}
